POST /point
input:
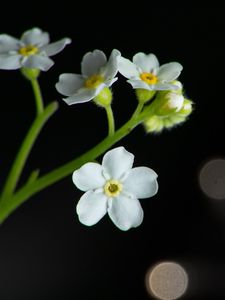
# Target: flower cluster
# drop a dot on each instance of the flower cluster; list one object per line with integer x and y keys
{"x": 113, "y": 187}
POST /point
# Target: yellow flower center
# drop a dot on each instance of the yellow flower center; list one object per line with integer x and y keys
{"x": 149, "y": 78}
{"x": 93, "y": 81}
{"x": 112, "y": 188}
{"x": 28, "y": 50}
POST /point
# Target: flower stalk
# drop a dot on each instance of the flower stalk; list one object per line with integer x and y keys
{"x": 161, "y": 104}
{"x": 25, "y": 149}
{"x": 12, "y": 201}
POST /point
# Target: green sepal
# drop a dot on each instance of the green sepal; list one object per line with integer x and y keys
{"x": 104, "y": 98}
{"x": 143, "y": 95}
{"x": 30, "y": 74}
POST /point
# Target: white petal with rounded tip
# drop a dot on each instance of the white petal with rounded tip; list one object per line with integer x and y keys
{"x": 91, "y": 208}
{"x": 127, "y": 68}
{"x": 170, "y": 71}
{"x": 10, "y": 62}
{"x": 117, "y": 162}
{"x": 139, "y": 84}
{"x": 92, "y": 62}
{"x": 125, "y": 212}
{"x": 147, "y": 62}
{"x": 89, "y": 177}
{"x": 141, "y": 182}
{"x": 111, "y": 68}
{"x": 68, "y": 84}
{"x": 8, "y": 43}
{"x": 41, "y": 62}
{"x": 35, "y": 37}
{"x": 56, "y": 47}
{"x": 163, "y": 86}
{"x": 83, "y": 95}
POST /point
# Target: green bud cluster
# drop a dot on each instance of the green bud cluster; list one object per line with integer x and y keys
{"x": 171, "y": 108}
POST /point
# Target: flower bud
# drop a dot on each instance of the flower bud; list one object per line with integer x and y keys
{"x": 174, "y": 101}
{"x": 179, "y": 85}
{"x": 153, "y": 124}
{"x": 158, "y": 122}
{"x": 169, "y": 102}
{"x": 104, "y": 98}
{"x": 187, "y": 108}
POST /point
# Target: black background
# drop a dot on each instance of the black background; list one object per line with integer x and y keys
{"x": 45, "y": 253}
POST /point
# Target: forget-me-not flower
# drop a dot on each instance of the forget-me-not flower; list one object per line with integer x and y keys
{"x": 114, "y": 187}
{"x": 96, "y": 74}
{"x": 144, "y": 72}
{"x": 32, "y": 51}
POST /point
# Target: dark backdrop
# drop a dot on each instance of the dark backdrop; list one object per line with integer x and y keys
{"x": 45, "y": 253}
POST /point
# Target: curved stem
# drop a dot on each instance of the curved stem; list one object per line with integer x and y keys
{"x": 38, "y": 96}
{"x": 138, "y": 110}
{"x": 25, "y": 149}
{"x": 34, "y": 186}
{"x": 111, "y": 122}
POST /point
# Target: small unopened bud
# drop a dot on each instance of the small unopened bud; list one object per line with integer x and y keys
{"x": 186, "y": 108}
{"x": 179, "y": 85}
{"x": 174, "y": 101}
{"x": 153, "y": 124}
{"x": 158, "y": 122}
{"x": 169, "y": 102}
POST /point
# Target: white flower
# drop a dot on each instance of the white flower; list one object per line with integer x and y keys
{"x": 97, "y": 74}
{"x": 114, "y": 188}
{"x": 31, "y": 51}
{"x": 145, "y": 73}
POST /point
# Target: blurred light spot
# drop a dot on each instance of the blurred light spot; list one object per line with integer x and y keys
{"x": 167, "y": 281}
{"x": 212, "y": 178}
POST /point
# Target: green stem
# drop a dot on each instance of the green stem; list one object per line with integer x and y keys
{"x": 111, "y": 122}
{"x": 38, "y": 96}
{"x": 34, "y": 186}
{"x": 138, "y": 110}
{"x": 25, "y": 149}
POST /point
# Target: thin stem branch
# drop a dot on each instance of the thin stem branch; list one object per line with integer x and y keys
{"x": 38, "y": 96}
{"x": 25, "y": 149}
{"x": 111, "y": 122}
{"x": 34, "y": 186}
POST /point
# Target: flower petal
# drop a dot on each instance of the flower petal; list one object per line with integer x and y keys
{"x": 91, "y": 208}
{"x": 139, "y": 84}
{"x": 41, "y": 62}
{"x": 8, "y": 43}
{"x": 125, "y": 212}
{"x": 10, "y": 62}
{"x": 163, "y": 86}
{"x": 170, "y": 71}
{"x": 147, "y": 63}
{"x": 117, "y": 162}
{"x": 68, "y": 83}
{"x": 110, "y": 70}
{"x": 35, "y": 37}
{"x": 56, "y": 47}
{"x": 83, "y": 95}
{"x": 127, "y": 68}
{"x": 110, "y": 81}
{"x": 141, "y": 182}
{"x": 92, "y": 62}
{"x": 89, "y": 177}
